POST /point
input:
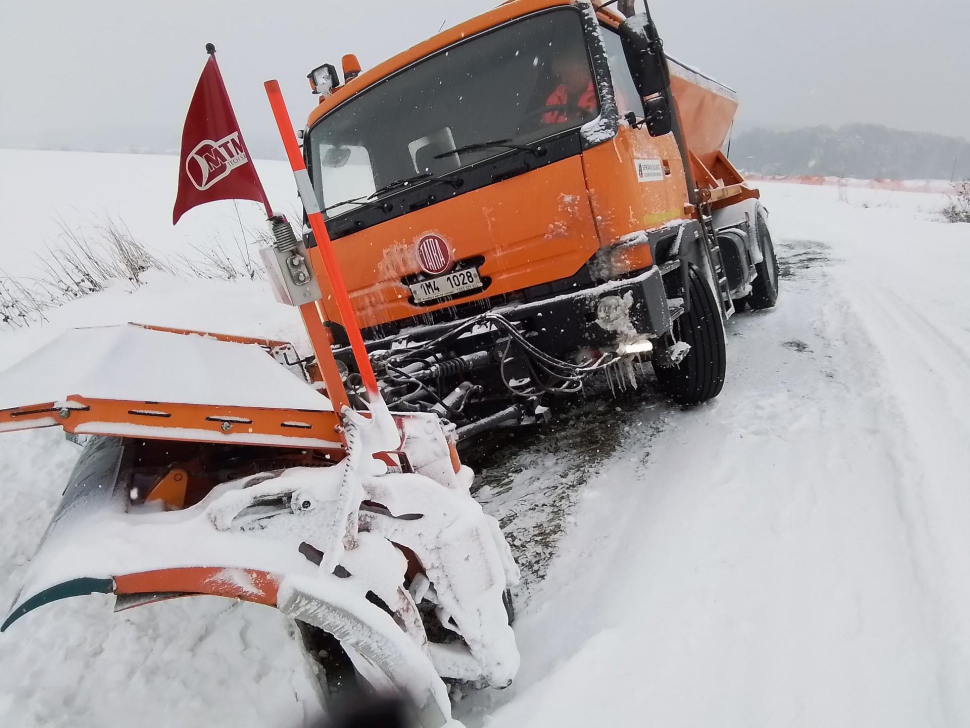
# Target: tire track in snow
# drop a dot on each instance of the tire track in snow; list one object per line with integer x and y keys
{"x": 926, "y": 376}
{"x": 531, "y": 479}
{"x": 766, "y": 567}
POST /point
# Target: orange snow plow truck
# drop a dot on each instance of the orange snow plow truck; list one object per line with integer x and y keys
{"x": 530, "y": 198}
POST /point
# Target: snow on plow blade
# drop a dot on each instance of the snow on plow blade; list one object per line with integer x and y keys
{"x": 343, "y": 534}
{"x": 94, "y": 544}
{"x": 266, "y": 539}
{"x": 133, "y": 381}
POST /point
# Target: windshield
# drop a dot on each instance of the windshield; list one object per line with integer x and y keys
{"x": 515, "y": 85}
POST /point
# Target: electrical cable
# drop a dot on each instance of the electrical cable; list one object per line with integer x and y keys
{"x": 566, "y": 377}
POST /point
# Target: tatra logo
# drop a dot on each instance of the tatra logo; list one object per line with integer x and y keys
{"x": 434, "y": 255}
{"x": 211, "y": 161}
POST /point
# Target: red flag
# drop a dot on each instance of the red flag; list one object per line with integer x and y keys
{"x": 215, "y": 163}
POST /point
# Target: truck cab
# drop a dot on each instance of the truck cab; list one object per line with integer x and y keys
{"x": 515, "y": 207}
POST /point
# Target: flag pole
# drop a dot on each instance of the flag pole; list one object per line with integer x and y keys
{"x": 211, "y": 50}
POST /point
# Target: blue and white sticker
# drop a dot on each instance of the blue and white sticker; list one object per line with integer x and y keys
{"x": 649, "y": 170}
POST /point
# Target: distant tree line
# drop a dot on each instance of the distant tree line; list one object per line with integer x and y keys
{"x": 863, "y": 151}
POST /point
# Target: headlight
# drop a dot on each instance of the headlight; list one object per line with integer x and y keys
{"x": 324, "y": 79}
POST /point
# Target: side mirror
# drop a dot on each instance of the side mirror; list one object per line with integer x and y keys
{"x": 644, "y": 54}
{"x": 657, "y": 116}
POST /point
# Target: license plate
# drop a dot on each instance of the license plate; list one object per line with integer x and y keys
{"x": 447, "y": 285}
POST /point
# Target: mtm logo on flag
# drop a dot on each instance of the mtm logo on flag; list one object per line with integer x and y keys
{"x": 214, "y": 164}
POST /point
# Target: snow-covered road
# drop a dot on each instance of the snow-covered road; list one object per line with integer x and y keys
{"x": 795, "y": 553}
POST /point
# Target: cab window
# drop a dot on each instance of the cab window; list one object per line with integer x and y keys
{"x": 627, "y": 97}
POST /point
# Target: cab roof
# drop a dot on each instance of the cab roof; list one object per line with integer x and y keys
{"x": 503, "y": 13}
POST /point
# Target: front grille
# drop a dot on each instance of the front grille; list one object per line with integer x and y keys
{"x": 461, "y": 311}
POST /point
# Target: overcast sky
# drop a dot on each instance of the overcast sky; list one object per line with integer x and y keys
{"x": 119, "y": 73}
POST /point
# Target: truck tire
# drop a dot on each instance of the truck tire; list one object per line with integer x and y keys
{"x": 764, "y": 289}
{"x": 700, "y": 376}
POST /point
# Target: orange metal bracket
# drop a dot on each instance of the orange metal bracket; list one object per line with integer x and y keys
{"x": 721, "y": 184}
{"x": 703, "y": 178}
{"x": 321, "y": 340}
{"x": 171, "y": 489}
{"x": 302, "y": 429}
{"x": 260, "y": 587}
{"x": 231, "y": 338}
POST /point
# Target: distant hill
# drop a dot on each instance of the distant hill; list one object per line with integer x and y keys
{"x": 863, "y": 151}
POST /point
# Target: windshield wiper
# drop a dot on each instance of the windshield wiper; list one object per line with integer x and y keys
{"x": 400, "y": 183}
{"x": 539, "y": 151}
{"x": 369, "y": 201}
{"x": 365, "y": 200}
{"x": 423, "y": 177}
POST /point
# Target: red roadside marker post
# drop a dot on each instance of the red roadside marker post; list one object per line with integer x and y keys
{"x": 325, "y": 248}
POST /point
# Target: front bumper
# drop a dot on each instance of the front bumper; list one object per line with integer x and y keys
{"x": 561, "y": 325}
{"x": 597, "y": 317}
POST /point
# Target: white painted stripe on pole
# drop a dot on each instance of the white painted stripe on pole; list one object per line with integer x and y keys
{"x": 305, "y": 189}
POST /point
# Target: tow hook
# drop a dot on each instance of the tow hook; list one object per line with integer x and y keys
{"x": 673, "y": 355}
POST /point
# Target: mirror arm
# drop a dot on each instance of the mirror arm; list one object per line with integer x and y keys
{"x": 633, "y": 121}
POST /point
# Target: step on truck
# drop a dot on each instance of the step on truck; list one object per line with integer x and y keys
{"x": 529, "y": 199}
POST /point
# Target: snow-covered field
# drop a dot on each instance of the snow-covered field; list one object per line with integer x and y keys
{"x": 795, "y": 553}
{"x": 42, "y": 192}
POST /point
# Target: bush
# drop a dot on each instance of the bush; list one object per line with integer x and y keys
{"x": 21, "y": 306}
{"x": 957, "y": 208}
{"x": 78, "y": 265}
{"x": 85, "y": 261}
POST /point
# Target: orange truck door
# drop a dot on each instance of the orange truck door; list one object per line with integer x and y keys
{"x": 636, "y": 183}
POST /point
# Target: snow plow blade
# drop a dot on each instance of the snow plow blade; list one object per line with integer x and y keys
{"x": 98, "y": 543}
{"x": 324, "y": 543}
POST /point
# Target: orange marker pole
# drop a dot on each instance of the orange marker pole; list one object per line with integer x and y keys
{"x": 324, "y": 244}
{"x": 320, "y": 339}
